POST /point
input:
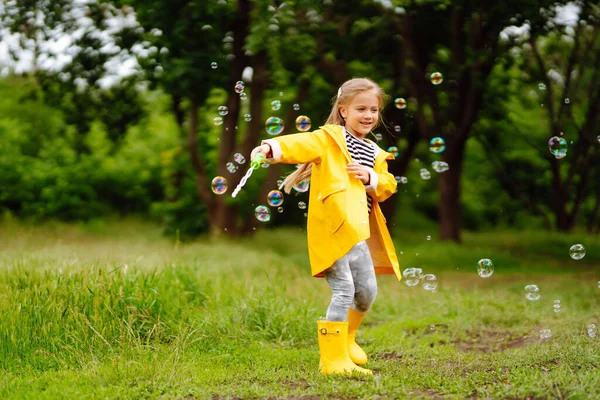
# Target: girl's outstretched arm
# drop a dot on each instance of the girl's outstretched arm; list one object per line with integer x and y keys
{"x": 298, "y": 148}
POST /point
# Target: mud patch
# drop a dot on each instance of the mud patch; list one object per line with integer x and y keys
{"x": 388, "y": 355}
{"x": 295, "y": 385}
{"x": 491, "y": 342}
{"x": 427, "y": 393}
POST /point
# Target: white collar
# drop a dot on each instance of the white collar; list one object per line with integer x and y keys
{"x": 351, "y": 134}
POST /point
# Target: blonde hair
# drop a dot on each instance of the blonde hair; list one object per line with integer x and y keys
{"x": 346, "y": 92}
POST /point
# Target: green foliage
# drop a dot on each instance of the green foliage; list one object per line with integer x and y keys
{"x": 44, "y": 176}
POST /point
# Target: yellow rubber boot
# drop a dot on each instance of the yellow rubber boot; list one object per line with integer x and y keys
{"x": 357, "y": 355}
{"x": 333, "y": 346}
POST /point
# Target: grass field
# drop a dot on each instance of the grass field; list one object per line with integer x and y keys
{"x": 115, "y": 310}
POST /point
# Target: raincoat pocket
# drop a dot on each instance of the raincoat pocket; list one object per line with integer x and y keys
{"x": 333, "y": 197}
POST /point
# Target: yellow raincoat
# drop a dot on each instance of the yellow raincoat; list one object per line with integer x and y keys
{"x": 338, "y": 216}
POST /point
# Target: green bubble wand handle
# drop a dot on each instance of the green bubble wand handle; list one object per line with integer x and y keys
{"x": 259, "y": 158}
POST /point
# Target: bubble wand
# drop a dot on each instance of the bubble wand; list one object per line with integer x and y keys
{"x": 259, "y": 158}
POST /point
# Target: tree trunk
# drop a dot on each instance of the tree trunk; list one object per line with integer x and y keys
{"x": 450, "y": 191}
{"x": 593, "y": 220}
{"x": 399, "y": 167}
{"x": 224, "y": 216}
{"x": 202, "y": 185}
{"x": 559, "y": 206}
{"x": 274, "y": 172}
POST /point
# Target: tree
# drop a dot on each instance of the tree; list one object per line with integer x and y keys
{"x": 460, "y": 40}
{"x": 558, "y": 84}
{"x": 286, "y": 46}
{"x": 72, "y": 81}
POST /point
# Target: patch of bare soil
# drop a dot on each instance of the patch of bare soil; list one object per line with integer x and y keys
{"x": 388, "y": 355}
{"x": 491, "y": 342}
{"x": 427, "y": 393}
{"x": 296, "y": 385}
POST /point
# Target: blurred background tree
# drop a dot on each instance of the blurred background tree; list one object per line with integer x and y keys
{"x": 112, "y": 106}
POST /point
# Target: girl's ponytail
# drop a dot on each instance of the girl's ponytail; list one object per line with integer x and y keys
{"x": 302, "y": 173}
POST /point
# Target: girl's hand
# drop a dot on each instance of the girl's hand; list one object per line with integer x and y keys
{"x": 357, "y": 171}
{"x": 265, "y": 149}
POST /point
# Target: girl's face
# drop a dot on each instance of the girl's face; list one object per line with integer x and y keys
{"x": 361, "y": 113}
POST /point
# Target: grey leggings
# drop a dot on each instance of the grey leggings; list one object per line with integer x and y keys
{"x": 353, "y": 283}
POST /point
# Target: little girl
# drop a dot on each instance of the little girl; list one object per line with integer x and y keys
{"x": 348, "y": 241}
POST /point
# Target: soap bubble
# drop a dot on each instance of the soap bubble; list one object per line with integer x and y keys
{"x": 400, "y": 103}
{"x": 440, "y": 166}
{"x": 403, "y": 180}
{"x": 545, "y": 334}
{"x": 577, "y": 251}
{"x": 279, "y": 210}
{"x": 243, "y": 96}
{"x": 567, "y": 100}
{"x": 231, "y": 167}
{"x": 393, "y": 150}
{"x": 429, "y": 282}
{"x": 532, "y": 292}
{"x": 412, "y": 276}
{"x": 275, "y": 198}
{"x": 541, "y": 86}
{"x": 557, "y": 146}
{"x": 275, "y": 105}
{"x": 296, "y": 107}
{"x": 303, "y": 123}
{"x": 378, "y": 137}
{"x": 223, "y": 110}
{"x": 301, "y": 187}
{"x": 592, "y": 331}
{"x": 218, "y": 121}
{"x": 425, "y": 174}
{"x": 247, "y": 117}
{"x": 239, "y": 158}
{"x": 436, "y": 78}
{"x": 556, "y": 306}
{"x": 485, "y": 268}
{"x": 239, "y": 87}
{"x": 214, "y": 65}
{"x": 428, "y": 237}
{"x": 219, "y": 185}
{"x": 302, "y": 205}
{"x": 397, "y": 128}
{"x": 274, "y": 126}
{"x": 437, "y": 145}
{"x": 262, "y": 213}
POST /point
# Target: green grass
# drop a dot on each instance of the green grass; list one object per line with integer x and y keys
{"x": 115, "y": 310}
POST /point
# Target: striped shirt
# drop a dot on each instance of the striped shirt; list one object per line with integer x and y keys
{"x": 362, "y": 152}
